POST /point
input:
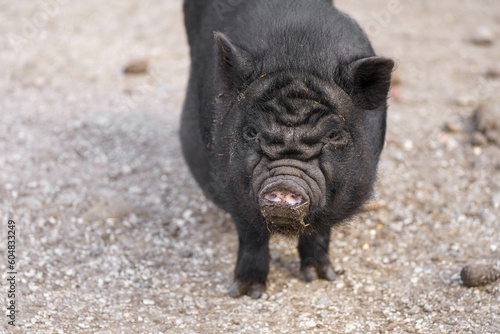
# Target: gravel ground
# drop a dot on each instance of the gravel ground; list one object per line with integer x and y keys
{"x": 114, "y": 236}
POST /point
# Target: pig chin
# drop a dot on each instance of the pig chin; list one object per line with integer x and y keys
{"x": 287, "y": 190}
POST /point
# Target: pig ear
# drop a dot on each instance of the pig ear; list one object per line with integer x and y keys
{"x": 233, "y": 64}
{"x": 371, "y": 78}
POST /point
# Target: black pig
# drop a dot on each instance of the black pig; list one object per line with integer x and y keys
{"x": 283, "y": 123}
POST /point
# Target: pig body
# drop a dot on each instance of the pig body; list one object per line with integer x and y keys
{"x": 283, "y": 123}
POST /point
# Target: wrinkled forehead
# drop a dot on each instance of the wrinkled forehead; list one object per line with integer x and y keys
{"x": 296, "y": 98}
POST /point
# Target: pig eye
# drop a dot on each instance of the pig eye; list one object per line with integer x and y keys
{"x": 335, "y": 136}
{"x": 250, "y": 133}
{"x": 338, "y": 139}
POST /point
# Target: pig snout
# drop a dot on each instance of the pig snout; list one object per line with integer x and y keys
{"x": 289, "y": 182}
{"x": 284, "y": 203}
{"x": 283, "y": 197}
{"x": 287, "y": 190}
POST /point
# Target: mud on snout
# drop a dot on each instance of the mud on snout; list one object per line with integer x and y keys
{"x": 287, "y": 190}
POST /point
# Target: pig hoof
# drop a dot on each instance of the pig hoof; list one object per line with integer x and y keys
{"x": 308, "y": 274}
{"x": 326, "y": 272}
{"x": 256, "y": 290}
{"x": 253, "y": 290}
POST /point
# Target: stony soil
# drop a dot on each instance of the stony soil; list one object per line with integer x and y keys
{"x": 114, "y": 236}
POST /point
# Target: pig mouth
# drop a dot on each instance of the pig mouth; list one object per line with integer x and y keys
{"x": 287, "y": 190}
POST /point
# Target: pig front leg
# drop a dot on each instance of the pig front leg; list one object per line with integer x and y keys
{"x": 252, "y": 265}
{"x": 313, "y": 251}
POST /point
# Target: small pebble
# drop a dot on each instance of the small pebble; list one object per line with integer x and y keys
{"x": 185, "y": 253}
{"x": 478, "y": 275}
{"x": 126, "y": 170}
{"x": 486, "y": 120}
{"x": 349, "y": 328}
{"x": 414, "y": 310}
{"x": 477, "y": 150}
{"x": 465, "y": 101}
{"x": 395, "y": 80}
{"x": 483, "y": 36}
{"x": 139, "y": 66}
{"x": 370, "y": 288}
{"x": 478, "y": 139}
{"x": 408, "y": 145}
{"x": 114, "y": 207}
{"x": 492, "y": 73}
{"x": 453, "y": 125}
{"x": 310, "y": 324}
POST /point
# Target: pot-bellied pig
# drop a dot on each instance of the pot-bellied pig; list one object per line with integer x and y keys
{"x": 283, "y": 123}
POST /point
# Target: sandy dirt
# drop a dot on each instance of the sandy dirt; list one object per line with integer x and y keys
{"x": 114, "y": 236}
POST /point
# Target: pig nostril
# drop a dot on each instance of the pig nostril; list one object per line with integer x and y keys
{"x": 279, "y": 197}
{"x": 293, "y": 199}
{"x": 273, "y": 197}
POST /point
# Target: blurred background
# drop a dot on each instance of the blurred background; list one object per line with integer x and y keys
{"x": 114, "y": 236}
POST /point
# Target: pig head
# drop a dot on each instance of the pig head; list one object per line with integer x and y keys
{"x": 296, "y": 152}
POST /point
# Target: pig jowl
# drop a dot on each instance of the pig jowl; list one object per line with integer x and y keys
{"x": 283, "y": 124}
